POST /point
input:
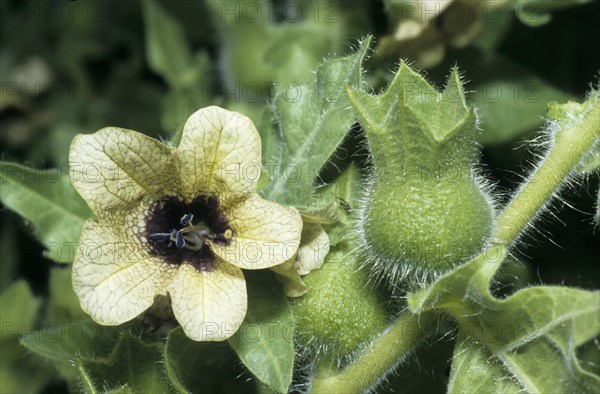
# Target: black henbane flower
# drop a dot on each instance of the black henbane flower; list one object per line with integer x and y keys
{"x": 181, "y": 221}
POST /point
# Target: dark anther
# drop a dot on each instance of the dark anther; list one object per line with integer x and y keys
{"x": 159, "y": 237}
{"x": 179, "y": 241}
{"x": 186, "y": 219}
{"x": 173, "y": 236}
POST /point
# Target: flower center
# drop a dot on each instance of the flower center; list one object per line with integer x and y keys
{"x": 177, "y": 230}
{"x": 191, "y": 236}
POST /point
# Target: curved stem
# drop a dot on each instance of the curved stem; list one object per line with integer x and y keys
{"x": 385, "y": 352}
{"x": 570, "y": 146}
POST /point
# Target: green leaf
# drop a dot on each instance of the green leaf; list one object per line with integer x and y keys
{"x": 271, "y": 144}
{"x": 47, "y": 199}
{"x": 537, "y": 367}
{"x": 184, "y": 358}
{"x": 475, "y": 370}
{"x": 237, "y": 53}
{"x": 166, "y": 46}
{"x": 265, "y": 340}
{"x": 199, "y": 366}
{"x": 286, "y": 52}
{"x": 533, "y": 334}
{"x": 169, "y": 55}
{"x": 282, "y": 52}
{"x": 64, "y": 303}
{"x": 18, "y": 309}
{"x": 132, "y": 364}
{"x": 293, "y": 53}
{"x": 180, "y": 102}
{"x": 63, "y": 342}
{"x": 68, "y": 332}
{"x": 313, "y": 120}
{"x": 589, "y": 354}
{"x": 20, "y": 371}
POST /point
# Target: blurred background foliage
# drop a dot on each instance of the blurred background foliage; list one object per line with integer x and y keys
{"x": 69, "y": 67}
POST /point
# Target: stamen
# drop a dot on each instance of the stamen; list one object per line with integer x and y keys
{"x": 159, "y": 237}
{"x": 178, "y": 230}
{"x": 193, "y": 242}
{"x": 186, "y": 219}
{"x": 226, "y": 235}
{"x": 179, "y": 241}
{"x": 191, "y": 236}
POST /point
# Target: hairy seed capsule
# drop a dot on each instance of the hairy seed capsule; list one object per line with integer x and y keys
{"x": 426, "y": 211}
{"x": 340, "y": 313}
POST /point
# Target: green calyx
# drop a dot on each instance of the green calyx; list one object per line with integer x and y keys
{"x": 340, "y": 312}
{"x": 426, "y": 210}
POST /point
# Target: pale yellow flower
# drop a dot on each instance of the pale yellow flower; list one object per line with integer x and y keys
{"x": 179, "y": 221}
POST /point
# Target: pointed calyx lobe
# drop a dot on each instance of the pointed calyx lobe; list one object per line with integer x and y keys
{"x": 425, "y": 211}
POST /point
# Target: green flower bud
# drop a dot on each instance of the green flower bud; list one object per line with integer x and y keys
{"x": 340, "y": 313}
{"x": 426, "y": 210}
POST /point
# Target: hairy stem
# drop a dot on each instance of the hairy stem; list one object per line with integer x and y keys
{"x": 570, "y": 146}
{"x": 385, "y": 352}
